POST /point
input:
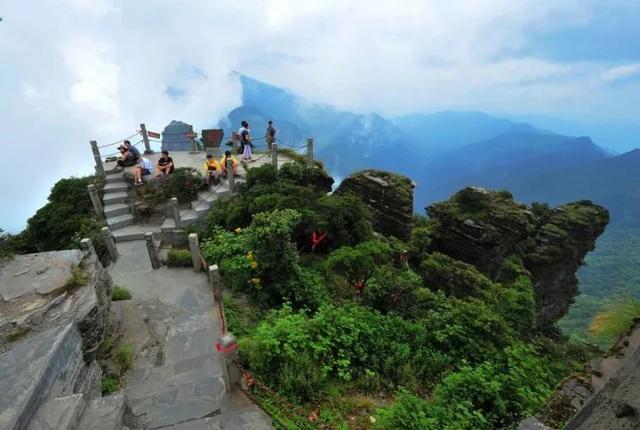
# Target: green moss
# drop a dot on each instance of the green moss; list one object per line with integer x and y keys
{"x": 17, "y": 333}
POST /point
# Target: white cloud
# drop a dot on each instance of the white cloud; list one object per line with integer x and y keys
{"x": 95, "y": 69}
{"x": 621, "y": 72}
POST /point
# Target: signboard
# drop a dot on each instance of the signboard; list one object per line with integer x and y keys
{"x": 212, "y": 138}
{"x": 153, "y": 134}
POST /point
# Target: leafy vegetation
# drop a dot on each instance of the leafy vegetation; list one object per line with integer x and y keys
{"x": 110, "y": 384}
{"x": 124, "y": 358}
{"x": 327, "y": 329}
{"x": 179, "y": 257}
{"x": 616, "y": 319}
{"x": 120, "y": 293}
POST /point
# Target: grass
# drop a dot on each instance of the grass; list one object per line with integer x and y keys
{"x": 78, "y": 279}
{"x": 17, "y": 333}
{"x": 124, "y": 358}
{"x": 616, "y": 319}
{"x": 120, "y": 293}
{"x": 177, "y": 257}
{"x": 110, "y": 384}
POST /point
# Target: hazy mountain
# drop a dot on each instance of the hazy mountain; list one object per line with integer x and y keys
{"x": 446, "y": 151}
{"x": 443, "y": 131}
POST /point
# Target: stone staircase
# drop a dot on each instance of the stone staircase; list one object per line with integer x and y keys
{"x": 117, "y": 211}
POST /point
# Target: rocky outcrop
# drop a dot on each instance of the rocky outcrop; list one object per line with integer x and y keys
{"x": 53, "y": 314}
{"x": 483, "y": 228}
{"x": 389, "y": 197}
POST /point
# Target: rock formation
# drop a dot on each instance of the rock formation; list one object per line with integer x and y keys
{"x": 53, "y": 312}
{"x": 389, "y": 197}
{"x": 483, "y": 228}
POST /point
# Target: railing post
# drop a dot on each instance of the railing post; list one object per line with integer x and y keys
{"x": 231, "y": 175}
{"x": 194, "y": 247}
{"x": 151, "y": 249}
{"x": 97, "y": 158}
{"x": 176, "y": 212}
{"x": 234, "y": 141}
{"x": 86, "y": 245}
{"x": 95, "y": 201}
{"x": 111, "y": 244}
{"x": 310, "y": 151}
{"x": 227, "y": 346}
{"x": 274, "y": 155}
{"x": 145, "y": 139}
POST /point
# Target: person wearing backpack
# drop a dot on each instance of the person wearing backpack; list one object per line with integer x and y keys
{"x": 270, "y": 135}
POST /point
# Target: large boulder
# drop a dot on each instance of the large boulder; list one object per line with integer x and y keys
{"x": 483, "y": 228}
{"x": 389, "y": 197}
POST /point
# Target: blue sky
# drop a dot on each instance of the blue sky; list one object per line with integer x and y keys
{"x": 95, "y": 69}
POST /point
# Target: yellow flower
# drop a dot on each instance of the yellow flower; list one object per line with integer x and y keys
{"x": 250, "y": 255}
{"x": 254, "y": 265}
{"x": 238, "y": 230}
{"x": 256, "y": 281}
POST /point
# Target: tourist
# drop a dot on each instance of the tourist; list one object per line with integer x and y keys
{"x": 165, "y": 164}
{"x": 143, "y": 168}
{"x": 132, "y": 149}
{"x": 223, "y": 164}
{"x": 126, "y": 157}
{"x": 212, "y": 170}
{"x": 245, "y": 140}
{"x": 270, "y": 135}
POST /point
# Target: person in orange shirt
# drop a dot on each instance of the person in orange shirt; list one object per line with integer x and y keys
{"x": 212, "y": 170}
{"x": 223, "y": 164}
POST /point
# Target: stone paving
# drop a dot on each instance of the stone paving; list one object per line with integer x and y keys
{"x": 177, "y": 380}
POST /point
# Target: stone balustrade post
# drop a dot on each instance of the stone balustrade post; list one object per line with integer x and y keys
{"x": 151, "y": 249}
{"x": 274, "y": 156}
{"x": 234, "y": 141}
{"x": 231, "y": 175}
{"x": 310, "y": 151}
{"x": 145, "y": 139}
{"x": 95, "y": 201}
{"x": 111, "y": 244}
{"x": 97, "y": 158}
{"x": 175, "y": 209}
{"x": 86, "y": 245}
{"x": 194, "y": 247}
{"x": 227, "y": 346}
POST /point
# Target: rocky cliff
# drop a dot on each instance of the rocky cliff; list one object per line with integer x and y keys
{"x": 389, "y": 197}
{"x": 483, "y": 228}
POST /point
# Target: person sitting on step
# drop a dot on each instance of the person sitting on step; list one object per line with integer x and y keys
{"x": 165, "y": 164}
{"x": 132, "y": 149}
{"x": 223, "y": 164}
{"x": 143, "y": 168}
{"x": 212, "y": 170}
{"x": 126, "y": 158}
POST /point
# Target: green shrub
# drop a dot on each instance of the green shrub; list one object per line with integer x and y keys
{"x": 392, "y": 289}
{"x": 184, "y": 183}
{"x": 177, "y": 257}
{"x": 120, "y": 293}
{"x": 124, "y": 358}
{"x": 110, "y": 384}
{"x": 453, "y": 277}
{"x": 356, "y": 264}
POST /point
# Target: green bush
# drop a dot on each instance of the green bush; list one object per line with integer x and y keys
{"x": 453, "y": 277}
{"x": 392, "y": 289}
{"x": 184, "y": 183}
{"x": 356, "y": 264}
{"x": 120, "y": 293}
{"x": 177, "y": 257}
{"x": 110, "y": 384}
{"x": 124, "y": 358}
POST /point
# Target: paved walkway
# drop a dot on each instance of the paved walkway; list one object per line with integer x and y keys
{"x": 177, "y": 381}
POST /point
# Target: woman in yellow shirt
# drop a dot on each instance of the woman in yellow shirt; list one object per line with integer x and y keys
{"x": 223, "y": 164}
{"x": 212, "y": 170}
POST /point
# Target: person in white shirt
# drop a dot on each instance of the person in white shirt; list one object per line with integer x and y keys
{"x": 143, "y": 168}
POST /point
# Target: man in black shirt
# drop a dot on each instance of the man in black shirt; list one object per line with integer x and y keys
{"x": 165, "y": 164}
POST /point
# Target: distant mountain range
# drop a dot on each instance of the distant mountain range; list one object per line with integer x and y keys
{"x": 446, "y": 151}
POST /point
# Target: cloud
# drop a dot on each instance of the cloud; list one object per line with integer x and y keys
{"x": 621, "y": 72}
{"x": 96, "y": 69}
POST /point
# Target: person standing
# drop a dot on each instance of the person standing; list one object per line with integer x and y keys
{"x": 270, "y": 135}
{"x": 245, "y": 140}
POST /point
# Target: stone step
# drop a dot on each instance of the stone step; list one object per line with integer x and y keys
{"x": 134, "y": 232}
{"x": 111, "y": 168}
{"x": 114, "y": 178}
{"x": 104, "y": 413}
{"x": 61, "y": 413}
{"x": 202, "y": 208}
{"x": 116, "y": 209}
{"x": 115, "y": 187}
{"x": 29, "y": 371}
{"x": 111, "y": 198}
{"x": 119, "y": 221}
